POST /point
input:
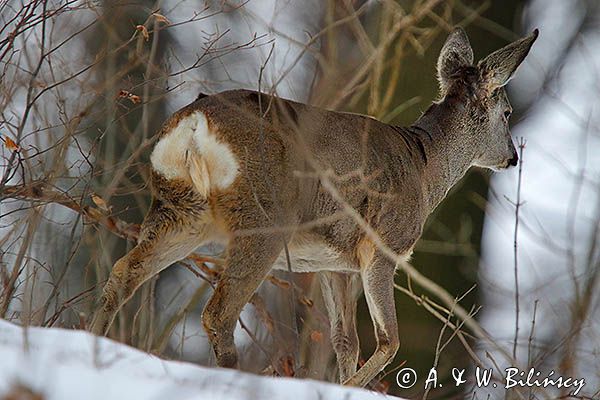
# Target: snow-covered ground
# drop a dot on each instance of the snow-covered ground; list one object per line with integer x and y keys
{"x": 67, "y": 364}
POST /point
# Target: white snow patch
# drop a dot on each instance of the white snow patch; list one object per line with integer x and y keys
{"x": 69, "y": 364}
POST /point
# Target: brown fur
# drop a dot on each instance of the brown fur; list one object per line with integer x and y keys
{"x": 392, "y": 176}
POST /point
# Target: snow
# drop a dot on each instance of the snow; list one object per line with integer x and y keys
{"x": 68, "y": 364}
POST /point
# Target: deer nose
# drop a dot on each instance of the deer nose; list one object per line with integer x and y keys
{"x": 514, "y": 160}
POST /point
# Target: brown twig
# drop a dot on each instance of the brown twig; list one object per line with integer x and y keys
{"x": 39, "y": 192}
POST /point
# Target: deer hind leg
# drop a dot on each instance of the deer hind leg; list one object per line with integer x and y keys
{"x": 248, "y": 261}
{"x": 340, "y": 293}
{"x": 378, "y": 285}
{"x": 167, "y": 244}
{"x": 119, "y": 288}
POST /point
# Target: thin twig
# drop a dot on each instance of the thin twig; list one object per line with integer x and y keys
{"x": 518, "y": 204}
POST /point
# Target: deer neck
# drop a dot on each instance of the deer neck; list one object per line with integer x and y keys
{"x": 449, "y": 156}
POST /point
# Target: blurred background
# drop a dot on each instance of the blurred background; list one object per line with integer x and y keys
{"x": 85, "y": 86}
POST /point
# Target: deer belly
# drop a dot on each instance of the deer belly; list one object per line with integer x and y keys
{"x": 309, "y": 254}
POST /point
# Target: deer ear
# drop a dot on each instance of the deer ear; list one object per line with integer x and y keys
{"x": 497, "y": 68}
{"x": 456, "y": 53}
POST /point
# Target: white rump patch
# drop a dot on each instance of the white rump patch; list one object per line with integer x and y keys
{"x": 192, "y": 152}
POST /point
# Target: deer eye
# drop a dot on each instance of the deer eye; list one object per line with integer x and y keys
{"x": 507, "y": 114}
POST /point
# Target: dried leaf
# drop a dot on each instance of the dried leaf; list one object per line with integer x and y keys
{"x": 10, "y": 144}
{"x": 144, "y": 30}
{"x": 99, "y": 201}
{"x": 161, "y": 18}
{"x": 279, "y": 282}
{"x": 287, "y": 366}
{"x": 316, "y": 336}
{"x": 306, "y": 301}
{"x": 134, "y": 98}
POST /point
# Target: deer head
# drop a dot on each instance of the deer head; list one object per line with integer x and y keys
{"x": 477, "y": 94}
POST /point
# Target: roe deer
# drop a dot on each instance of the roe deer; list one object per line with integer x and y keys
{"x": 244, "y": 168}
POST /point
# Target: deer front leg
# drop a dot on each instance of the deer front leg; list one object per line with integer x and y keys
{"x": 340, "y": 293}
{"x": 378, "y": 284}
{"x": 249, "y": 260}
